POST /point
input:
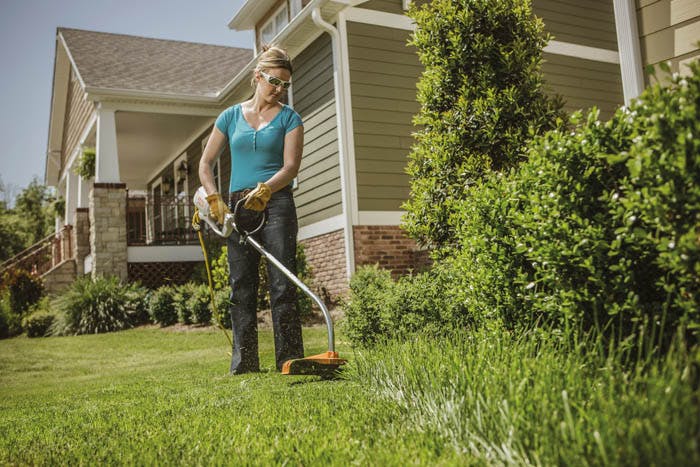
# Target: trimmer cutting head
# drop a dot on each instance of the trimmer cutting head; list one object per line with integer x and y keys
{"x": 323, "y": 364}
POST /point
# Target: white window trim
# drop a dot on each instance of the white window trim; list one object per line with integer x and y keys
{"x": 271, "y": 19}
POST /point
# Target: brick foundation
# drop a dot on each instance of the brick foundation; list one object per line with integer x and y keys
{"x": 386, "y": 245}
{"x": 390, "y": 247}
{"x": 326, "y": 256}
{"x": 153, "y": 275}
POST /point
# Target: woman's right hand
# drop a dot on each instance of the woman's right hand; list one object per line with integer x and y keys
{"x": 217, "y": 208}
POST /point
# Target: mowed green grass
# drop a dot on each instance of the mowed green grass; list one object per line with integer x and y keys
{"x": 154, "y": 396}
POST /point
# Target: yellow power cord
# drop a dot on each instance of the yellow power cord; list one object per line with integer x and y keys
{"x": 196, "y": 225}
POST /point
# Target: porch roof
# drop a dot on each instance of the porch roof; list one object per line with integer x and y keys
{"x": 118, "y": 62}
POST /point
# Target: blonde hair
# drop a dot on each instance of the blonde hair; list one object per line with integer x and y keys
{"x": 272, "y": 57}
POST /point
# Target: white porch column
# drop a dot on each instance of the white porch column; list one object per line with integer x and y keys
{"x": 83, "y": 193}
{"x": 72, "y": 182}
{"x": 107, "y": 158}
{"x": 629, "y": 49}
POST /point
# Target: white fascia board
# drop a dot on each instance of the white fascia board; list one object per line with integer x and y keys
{"x": 582, "y": 51}
{"x": 164, "y": 254}
{"x": 248, "y": 15}
{"x": 325, "y": 226}
{"x": 100, "y": 94}
{"x": 70, "y": 57}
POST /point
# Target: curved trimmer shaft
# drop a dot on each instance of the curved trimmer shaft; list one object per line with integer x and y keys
{"x": 301, "y": 285}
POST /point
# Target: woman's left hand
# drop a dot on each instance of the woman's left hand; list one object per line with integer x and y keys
{"x": 257, "y": 199}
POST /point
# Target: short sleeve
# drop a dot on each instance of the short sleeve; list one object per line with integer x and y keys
{"x": 223, "y": 121}
{"x": 293, "y": 121}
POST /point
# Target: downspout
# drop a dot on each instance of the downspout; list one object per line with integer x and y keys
{"x": 628, "y": 46}
{"x": 341, "y": 113}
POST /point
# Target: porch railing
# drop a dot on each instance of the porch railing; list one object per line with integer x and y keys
{"x": 160, "y": 220}
{"x": 44, "y": 254}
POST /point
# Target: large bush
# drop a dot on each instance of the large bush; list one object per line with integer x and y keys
{"x": 95, "y": 306}
{"x": 481, "y": 96}
{"x": 599, "y": 227}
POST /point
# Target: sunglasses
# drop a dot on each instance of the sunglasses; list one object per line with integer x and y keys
{"x": 275, "y": 81}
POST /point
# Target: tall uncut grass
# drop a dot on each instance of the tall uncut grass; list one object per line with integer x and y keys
{"x": 536, "y": 398}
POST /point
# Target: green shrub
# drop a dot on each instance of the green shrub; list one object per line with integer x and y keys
{"x": 161, "y": 308}
{"x": 366, "y": 316}
{"x": 95, "y": 306}
{"x": 222, "y": 304}
{"x": 199, "y": 305}
{"x": 599, "y": 227}
{"x": 379, "y": 308}
{"x": 24, "y": 289}
{"x": 481, "y": 96}
{"x": 38, "y": 324}
{"x": 10, "y": 322}
{"x": 181, "y": 297}
{"x": 138, "y": 298}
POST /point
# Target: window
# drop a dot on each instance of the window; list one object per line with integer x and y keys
{"x": 274, "y": 25}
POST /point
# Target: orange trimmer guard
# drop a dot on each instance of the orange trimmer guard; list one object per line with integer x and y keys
{"x": 323, "y": 363}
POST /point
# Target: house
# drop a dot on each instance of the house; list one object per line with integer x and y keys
{"x": 148, "y": 111}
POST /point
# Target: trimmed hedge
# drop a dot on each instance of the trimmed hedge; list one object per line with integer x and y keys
{"x": 599, "y": 228}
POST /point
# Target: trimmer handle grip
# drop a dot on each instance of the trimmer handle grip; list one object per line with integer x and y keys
{"x": 235, "y": 219}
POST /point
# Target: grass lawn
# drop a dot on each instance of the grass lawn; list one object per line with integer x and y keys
{"x": 154, "y": 396}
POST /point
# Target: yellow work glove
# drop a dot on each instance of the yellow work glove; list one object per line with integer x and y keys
{"x": 217, "y": 207}
{"x": 257, "y": 199}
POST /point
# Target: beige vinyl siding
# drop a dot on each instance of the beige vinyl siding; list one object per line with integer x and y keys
{"x": 388, "y": 6}
{"x": 383, "y": 77}
{"x": 313, "y": 76}
{"x": 669, "y": 30}
{"x": 78, "y": 112}
{"x": 590, "y": 23}
{"x": 584, "y": 83}
{"x": 318, "y": 195}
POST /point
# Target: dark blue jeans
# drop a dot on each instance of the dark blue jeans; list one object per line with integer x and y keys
{"x": 279, "y": 237}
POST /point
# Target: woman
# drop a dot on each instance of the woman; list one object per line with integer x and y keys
{"x": 266, "y": 139}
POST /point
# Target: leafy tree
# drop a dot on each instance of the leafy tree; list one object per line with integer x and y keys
{"x": 30, "y": 220}
{"x": 481, "y": 97}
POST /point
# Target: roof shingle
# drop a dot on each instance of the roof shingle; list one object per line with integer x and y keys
{"x": 118, "y": 61}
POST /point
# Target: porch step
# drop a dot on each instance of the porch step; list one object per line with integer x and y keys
{"x": 60, "y": 277}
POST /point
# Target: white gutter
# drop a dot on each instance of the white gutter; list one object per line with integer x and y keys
{"x": 343, "y": 137}
{"x": 628, "y": 45}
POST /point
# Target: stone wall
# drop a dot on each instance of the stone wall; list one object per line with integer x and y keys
{"x": 108, "y": 230}
{"x": 390, "y": 247}
{"x": 59, "y": 277}
{"x": 326, "y": 256}
{"x": 81, "y": 238}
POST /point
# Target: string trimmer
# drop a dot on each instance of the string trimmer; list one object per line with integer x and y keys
{"x": 324, "y": 363}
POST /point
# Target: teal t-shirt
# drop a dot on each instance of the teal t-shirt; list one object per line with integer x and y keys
{"x": 255, "y": 155}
